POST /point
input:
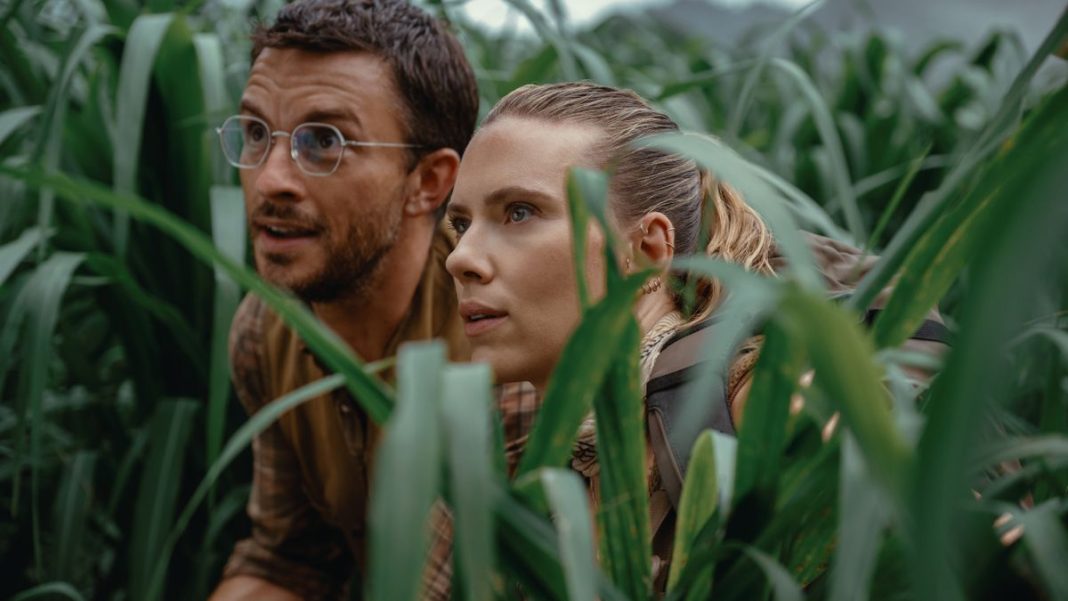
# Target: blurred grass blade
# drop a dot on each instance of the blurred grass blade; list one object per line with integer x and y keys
{"x": 771, "y": 45}
{"x": 842, "y": 357}
{"x": 158, "y": 494}
{"x": 550, "y": 35}
{"x": 1045, "y": 447}
{"x": 783, "y": 585}
{"x": 12, "y": 253}
{"x": 832, "y": 143}
{"x": 623, "y": 514}
{"x": 728, "y": 166}
{"x": 700, "y": 498}
{"x": 72, "y": 512}
{"x": 135, "y": 77}
{"x": 49, "y": 591}
{"x": 406, "y": 477}
{"x": 1045, "y": 537}
{"x": 578, "y": 190}
{"x": 577, "y": 378}
{"x": 14, "y": 118}
{"x": 211, "y": 63}
{"x": 944, "y": 251}
{"x": 39, "y": 301}
{"x": 862, "y": 517}
{"x": 750, "y": 299}
{"x": 763, "y": 430}
{"x": 369, "y": 391}
{"x": 228, "y": 234}
{"x": 1011, "y": 264}
{"x": 465, "y": 408}
{"x": 50, "y": 145}
{"x": 240, "y": 440}
{"x": 571, "y": 516}
{"x": 933, "y": 206}
{"x": 895, "y": 200}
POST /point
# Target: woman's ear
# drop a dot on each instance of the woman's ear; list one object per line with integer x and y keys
{"x": 656, "y": 239}
{"x": 431, "y": 181}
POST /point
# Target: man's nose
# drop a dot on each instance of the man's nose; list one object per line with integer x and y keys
{"x": 279, "y": 177}
{"x": 469, "y": 261}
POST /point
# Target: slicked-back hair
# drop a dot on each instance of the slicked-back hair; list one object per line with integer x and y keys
{"x": 432, "y": 76}
{"x": 646, "y": 179}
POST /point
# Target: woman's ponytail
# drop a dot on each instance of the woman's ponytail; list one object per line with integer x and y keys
{"x": 736, "y": 234}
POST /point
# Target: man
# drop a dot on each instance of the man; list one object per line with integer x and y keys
{"x": 348, "y": 140}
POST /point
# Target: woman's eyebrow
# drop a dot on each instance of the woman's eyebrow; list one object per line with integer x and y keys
{"x": 502, "y": 195}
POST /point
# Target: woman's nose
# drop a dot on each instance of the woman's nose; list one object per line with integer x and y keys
{"x": 469, "y": 261}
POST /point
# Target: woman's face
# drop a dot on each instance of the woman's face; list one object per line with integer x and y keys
{"x": 512, "y": 265}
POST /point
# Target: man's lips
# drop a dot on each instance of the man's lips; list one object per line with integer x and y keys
{"x": 480, "y": 318}
{"x": 279, "y": 236}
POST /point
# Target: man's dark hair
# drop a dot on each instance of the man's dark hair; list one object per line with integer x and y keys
{"x": 430, "y": 71}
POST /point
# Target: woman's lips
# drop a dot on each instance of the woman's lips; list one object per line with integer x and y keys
{"x": 483, "y": 325}
{"x": 479, "y": 318}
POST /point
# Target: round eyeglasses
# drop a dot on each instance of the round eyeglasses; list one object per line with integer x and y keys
{"x": 315, "y": 147}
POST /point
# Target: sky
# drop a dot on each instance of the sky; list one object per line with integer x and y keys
{"x": 495, "y": 13}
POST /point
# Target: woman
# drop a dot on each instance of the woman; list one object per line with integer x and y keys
{"x": 512, "y": 264}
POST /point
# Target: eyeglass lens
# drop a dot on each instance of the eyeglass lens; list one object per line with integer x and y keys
{"x": 246, "y": 142}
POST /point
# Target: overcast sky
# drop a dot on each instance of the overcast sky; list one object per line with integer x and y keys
{"x": 495, "y": 13}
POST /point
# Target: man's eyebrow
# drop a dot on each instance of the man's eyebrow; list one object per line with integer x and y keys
{"x": 247, "y": 106}
{"x": 329, "y": 115}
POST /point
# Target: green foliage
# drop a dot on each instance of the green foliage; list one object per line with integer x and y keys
{"x": 113, "y": 369}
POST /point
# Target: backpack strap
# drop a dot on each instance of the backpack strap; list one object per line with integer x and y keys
{"x": 675, "y": 369}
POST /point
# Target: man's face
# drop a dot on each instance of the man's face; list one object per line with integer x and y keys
{"x": 323, "y": 237}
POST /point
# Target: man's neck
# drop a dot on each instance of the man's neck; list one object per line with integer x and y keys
{"x": 368, "y": 320}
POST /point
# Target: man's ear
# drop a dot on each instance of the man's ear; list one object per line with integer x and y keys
{"x": 431, "y": 181}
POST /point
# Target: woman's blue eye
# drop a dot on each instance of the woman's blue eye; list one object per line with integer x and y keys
{"x": 458, "y": 225}
{"x": 519, "y": 213}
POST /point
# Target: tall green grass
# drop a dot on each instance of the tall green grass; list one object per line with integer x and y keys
{"x": 125, "y": 461}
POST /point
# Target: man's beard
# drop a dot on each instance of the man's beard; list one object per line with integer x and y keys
{"x": 352, "y": 266}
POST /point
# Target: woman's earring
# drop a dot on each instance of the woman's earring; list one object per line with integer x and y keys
{"x": 651, "y": 286}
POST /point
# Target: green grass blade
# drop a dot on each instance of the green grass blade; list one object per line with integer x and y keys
{"x": 945, "y": 250}
{"x": 783, "y": 585}
{"x": 49, "y": 590}
{"x": 400, "y": 506}
{"x": 50, "y": 145}
{"x": 143, "y": 42}
{"x": 623, "y": 514}
{"x": 369, "y": 391}
{"x": 12, "y": 253}
{"x": 763, "y": 429}
{"x": 895, "y": 200}
{"x": 1046, "y": 539}
{"x": 158, "y": 494}
{"x": 700, "y": 497}
{"x": 571, "y": 516}
{"x": 1047, "y": 447}
{"x": 1014, "y": 257}
{"x": 549, "y": 34}
{"x": 466, "y": 411}
{"x": 12, "y": 119}
{"x": 843, "y": 359}
{"x": 774, "y": 40}
{"x": 228, "y": 234}
{"x": 862, "y": 516}
{"x": 578, "y": 376}
{"x": 832, "y": 143}
{"x": 72, "y": 511}
{"x": 240, "y": 440}
{"x": 580, "y": 187}
{"x": 932, "y": 207}
{"x": 40, "y": 302}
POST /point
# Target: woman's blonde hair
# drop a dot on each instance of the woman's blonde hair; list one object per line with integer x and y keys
{"x": 647, "y": 180}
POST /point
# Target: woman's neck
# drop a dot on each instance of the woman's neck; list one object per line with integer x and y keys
{"x": 651, "y": 308}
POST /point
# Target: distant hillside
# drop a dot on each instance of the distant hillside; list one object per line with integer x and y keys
{"x": 919, "y": 21}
